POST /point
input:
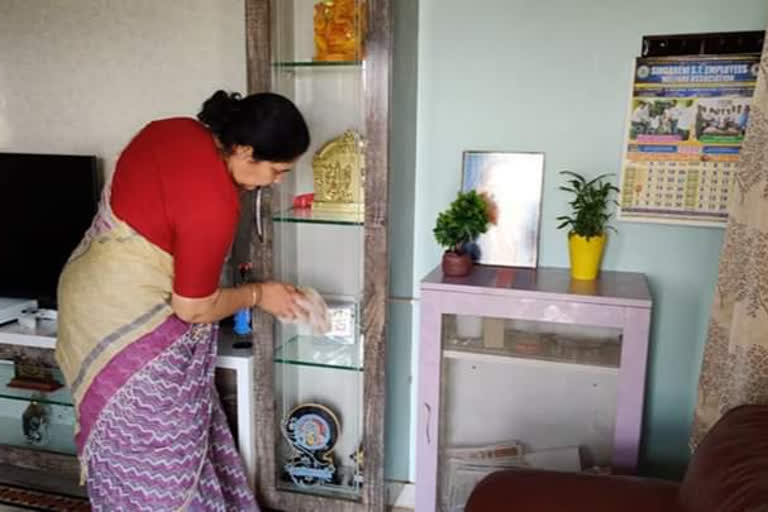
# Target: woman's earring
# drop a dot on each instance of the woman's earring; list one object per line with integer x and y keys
{"x": 259, "y": 219}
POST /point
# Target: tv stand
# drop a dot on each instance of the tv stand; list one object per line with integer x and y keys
{"x": 11, "y": 309}
{"x": 234, "y": 379}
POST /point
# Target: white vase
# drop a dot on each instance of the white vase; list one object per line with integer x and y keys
{"x": 469, "y": 326}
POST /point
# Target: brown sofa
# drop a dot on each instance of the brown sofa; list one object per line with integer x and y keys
{"x": 728, "y": 473}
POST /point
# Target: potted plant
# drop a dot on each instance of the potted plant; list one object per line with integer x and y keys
{"x": 466, "y": 219}
{"x": 588, "y": 222}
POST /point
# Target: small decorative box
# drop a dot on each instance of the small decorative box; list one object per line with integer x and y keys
{"x": 343, "y": 317}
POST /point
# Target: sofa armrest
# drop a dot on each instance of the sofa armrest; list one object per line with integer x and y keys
{"x": 549, "y": 491}
{"x": 729, "y": 470}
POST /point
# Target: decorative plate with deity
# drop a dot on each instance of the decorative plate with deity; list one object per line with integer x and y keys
{"x": 312, "y": 430}
{"x": 312, "y": 427}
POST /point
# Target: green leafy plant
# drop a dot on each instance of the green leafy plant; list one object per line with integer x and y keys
{"x": 466, "y": 219}
{"x": 590, "y": 205}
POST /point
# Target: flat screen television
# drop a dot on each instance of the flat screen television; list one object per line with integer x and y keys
{"x": 47, "y": 202}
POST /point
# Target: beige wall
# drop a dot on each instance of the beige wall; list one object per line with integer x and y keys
{"x": 81, "y": 76}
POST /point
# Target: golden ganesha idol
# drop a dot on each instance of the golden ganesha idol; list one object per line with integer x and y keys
{"x": 340, "y": 27}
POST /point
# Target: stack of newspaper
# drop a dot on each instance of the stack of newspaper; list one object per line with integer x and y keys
{"x": 464, "y": 467}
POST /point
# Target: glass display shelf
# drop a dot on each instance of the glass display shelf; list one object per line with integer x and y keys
{"x": 59, "y": 397}
{"x": 338, "y": 491}
{"x": 310, "y": 216}
{"x": 318, "y": 64}
{"x": 321, "y": 352}
{"x": 56, "y": 435}
{"x": 535, "y": 341}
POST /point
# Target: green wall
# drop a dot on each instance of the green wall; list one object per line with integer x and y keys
{"x": 553, "y": 76}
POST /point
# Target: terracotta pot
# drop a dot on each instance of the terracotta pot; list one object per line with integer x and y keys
{"x": 456, "y": 265}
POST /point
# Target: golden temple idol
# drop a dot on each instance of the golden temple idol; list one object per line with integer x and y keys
{"x": 338, "y": 169}
{"x": 340, "y": 27}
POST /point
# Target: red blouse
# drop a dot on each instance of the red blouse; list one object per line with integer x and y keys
{"x": 173, "y": 188}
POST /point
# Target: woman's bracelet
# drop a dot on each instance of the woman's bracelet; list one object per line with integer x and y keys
{"x": 256, "y": 297}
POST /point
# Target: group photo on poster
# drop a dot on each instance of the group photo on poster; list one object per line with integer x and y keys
{"x": 661, "y": 117}
{"x": 686, "y": 121}
{"x": 722, "y": 120}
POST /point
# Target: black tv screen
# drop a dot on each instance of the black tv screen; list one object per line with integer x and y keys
{"x": 47, "y": 202}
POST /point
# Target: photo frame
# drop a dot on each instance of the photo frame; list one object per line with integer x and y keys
{"x": 514, "y": 181}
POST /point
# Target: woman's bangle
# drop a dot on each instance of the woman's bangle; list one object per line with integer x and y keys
{"x": 256, "y": 297}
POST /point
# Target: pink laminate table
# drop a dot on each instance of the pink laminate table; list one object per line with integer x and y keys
{"x": 616, "y": 299}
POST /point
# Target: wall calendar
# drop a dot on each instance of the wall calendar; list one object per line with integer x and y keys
{"x": 686, "y": 123}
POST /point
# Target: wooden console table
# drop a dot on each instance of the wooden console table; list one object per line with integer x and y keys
{"x": 552, "y": 362}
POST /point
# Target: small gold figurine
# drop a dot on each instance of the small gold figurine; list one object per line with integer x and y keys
{"x": 358, "y": 459}
{"x": 340, "y": 27}
{"x": 338, "y": 169}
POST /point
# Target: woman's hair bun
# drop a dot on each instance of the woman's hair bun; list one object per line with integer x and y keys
{"x": 219, "y": 111}
{"x": 269, "y": 123}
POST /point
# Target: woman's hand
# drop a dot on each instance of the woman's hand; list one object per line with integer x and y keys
{"x": 280, "y": 300}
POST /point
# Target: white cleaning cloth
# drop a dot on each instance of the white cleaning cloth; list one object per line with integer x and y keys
{"x": 317, "y": 317}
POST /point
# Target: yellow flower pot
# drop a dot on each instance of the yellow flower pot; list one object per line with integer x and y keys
{"x": 585, "y": 256}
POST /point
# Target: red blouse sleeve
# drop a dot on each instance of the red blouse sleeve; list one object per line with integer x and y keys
{"x": 173, "y": 187}
{"x": 202, "y": 237}
{"x": 203, "y": 211}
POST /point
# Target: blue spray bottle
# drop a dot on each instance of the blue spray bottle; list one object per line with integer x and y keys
{"x": 243, "y": 316}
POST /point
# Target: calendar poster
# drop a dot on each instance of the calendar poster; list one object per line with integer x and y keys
{"x": 686, "y": 123}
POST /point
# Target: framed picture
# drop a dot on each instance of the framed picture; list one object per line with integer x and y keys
{"x": 514, "y": 182}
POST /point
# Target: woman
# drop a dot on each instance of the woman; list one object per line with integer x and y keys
{"x": 139, "y": 301}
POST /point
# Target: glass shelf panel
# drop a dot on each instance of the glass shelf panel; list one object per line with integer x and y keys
{"x": 317, "y": 64}
{"x": 59, "y": 397}
{"x": 343, "y": 492}
{"x": 321, "y": 352}
{"x": 57, "y": 436}
{"x": 310, "y": 216}
{"x": 543, "y": 341}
